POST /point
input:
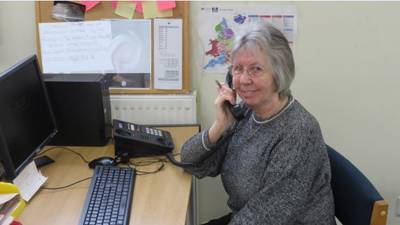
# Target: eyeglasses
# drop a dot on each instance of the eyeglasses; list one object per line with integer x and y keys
{"x": 252, "y": 71}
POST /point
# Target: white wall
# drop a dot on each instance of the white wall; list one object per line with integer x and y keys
{"x": 347, "y": 76}
{"x": 17, "y": 32}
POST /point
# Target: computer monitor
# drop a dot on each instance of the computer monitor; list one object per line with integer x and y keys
{"x": 26, "y": 118}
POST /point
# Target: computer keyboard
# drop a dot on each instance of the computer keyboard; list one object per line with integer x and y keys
{"x": 109, "y": 198}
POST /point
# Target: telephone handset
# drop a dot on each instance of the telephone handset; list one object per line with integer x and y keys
{"x": 236, "y": 110}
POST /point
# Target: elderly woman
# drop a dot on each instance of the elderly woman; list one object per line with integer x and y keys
{"x": 273, "y": 163}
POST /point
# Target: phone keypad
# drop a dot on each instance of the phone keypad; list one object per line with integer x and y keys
{"x": 146, "y": 132}
{"x": 152, "y": 131}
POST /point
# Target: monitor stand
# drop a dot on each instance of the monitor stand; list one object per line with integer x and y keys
{"x": 43, "y": 161}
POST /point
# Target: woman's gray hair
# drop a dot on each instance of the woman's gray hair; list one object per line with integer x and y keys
{"x": 276, "y": 47}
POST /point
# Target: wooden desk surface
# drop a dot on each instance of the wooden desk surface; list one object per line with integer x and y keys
{"x": 160, "y": 198}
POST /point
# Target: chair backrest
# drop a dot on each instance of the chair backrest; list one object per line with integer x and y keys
{"x": 357, "y": 202}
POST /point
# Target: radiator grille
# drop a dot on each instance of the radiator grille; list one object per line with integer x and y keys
{"x": 154, "y": 109}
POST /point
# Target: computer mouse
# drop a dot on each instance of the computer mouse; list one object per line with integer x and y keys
{"x": 102, "y": 161}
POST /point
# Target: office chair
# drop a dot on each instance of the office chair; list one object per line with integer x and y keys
{"x": 357, "y": 202}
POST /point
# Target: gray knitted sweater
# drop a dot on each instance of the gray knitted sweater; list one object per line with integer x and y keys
{"x": 275, "y": 173}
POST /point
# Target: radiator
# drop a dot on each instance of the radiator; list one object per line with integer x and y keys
{"x": 155, "y": 109}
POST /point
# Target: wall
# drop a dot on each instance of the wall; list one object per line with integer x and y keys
{"x": 17, "y": 32}
{"x": 347, "y": 76}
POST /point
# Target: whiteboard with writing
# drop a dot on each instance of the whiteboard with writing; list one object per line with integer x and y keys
{"x": 107, "y": 46}
{"x": 75, "y": 46}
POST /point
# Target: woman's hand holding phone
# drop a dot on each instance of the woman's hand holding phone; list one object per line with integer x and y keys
{"x": 224, "y": 119}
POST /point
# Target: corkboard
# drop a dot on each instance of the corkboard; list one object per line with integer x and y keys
{"x": 105, "y": 11}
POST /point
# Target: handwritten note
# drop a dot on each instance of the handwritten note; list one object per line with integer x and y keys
{"x": 75, "y": 47}
{"x": 106, "y": 46}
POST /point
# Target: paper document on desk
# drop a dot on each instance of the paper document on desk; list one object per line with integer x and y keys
{"x": 7, "y": 207}
{"x": 6, "y": 197}
{"x": 29, "y": 181}
{"x": 7, "y": 221}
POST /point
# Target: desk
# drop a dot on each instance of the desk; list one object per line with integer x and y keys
{"x": 161, "y": 198}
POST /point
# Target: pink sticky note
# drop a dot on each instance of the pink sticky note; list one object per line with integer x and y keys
{"x": 139, "y": 7}
{"x": 89, "y": 4}
{"x": 114, "y": 4}
{"x": 164, "y": 5}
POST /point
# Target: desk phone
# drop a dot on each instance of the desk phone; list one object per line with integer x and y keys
{"x": 134, "y": 140}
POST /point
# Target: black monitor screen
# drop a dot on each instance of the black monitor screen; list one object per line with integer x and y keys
{"x": 26, "y": 119}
